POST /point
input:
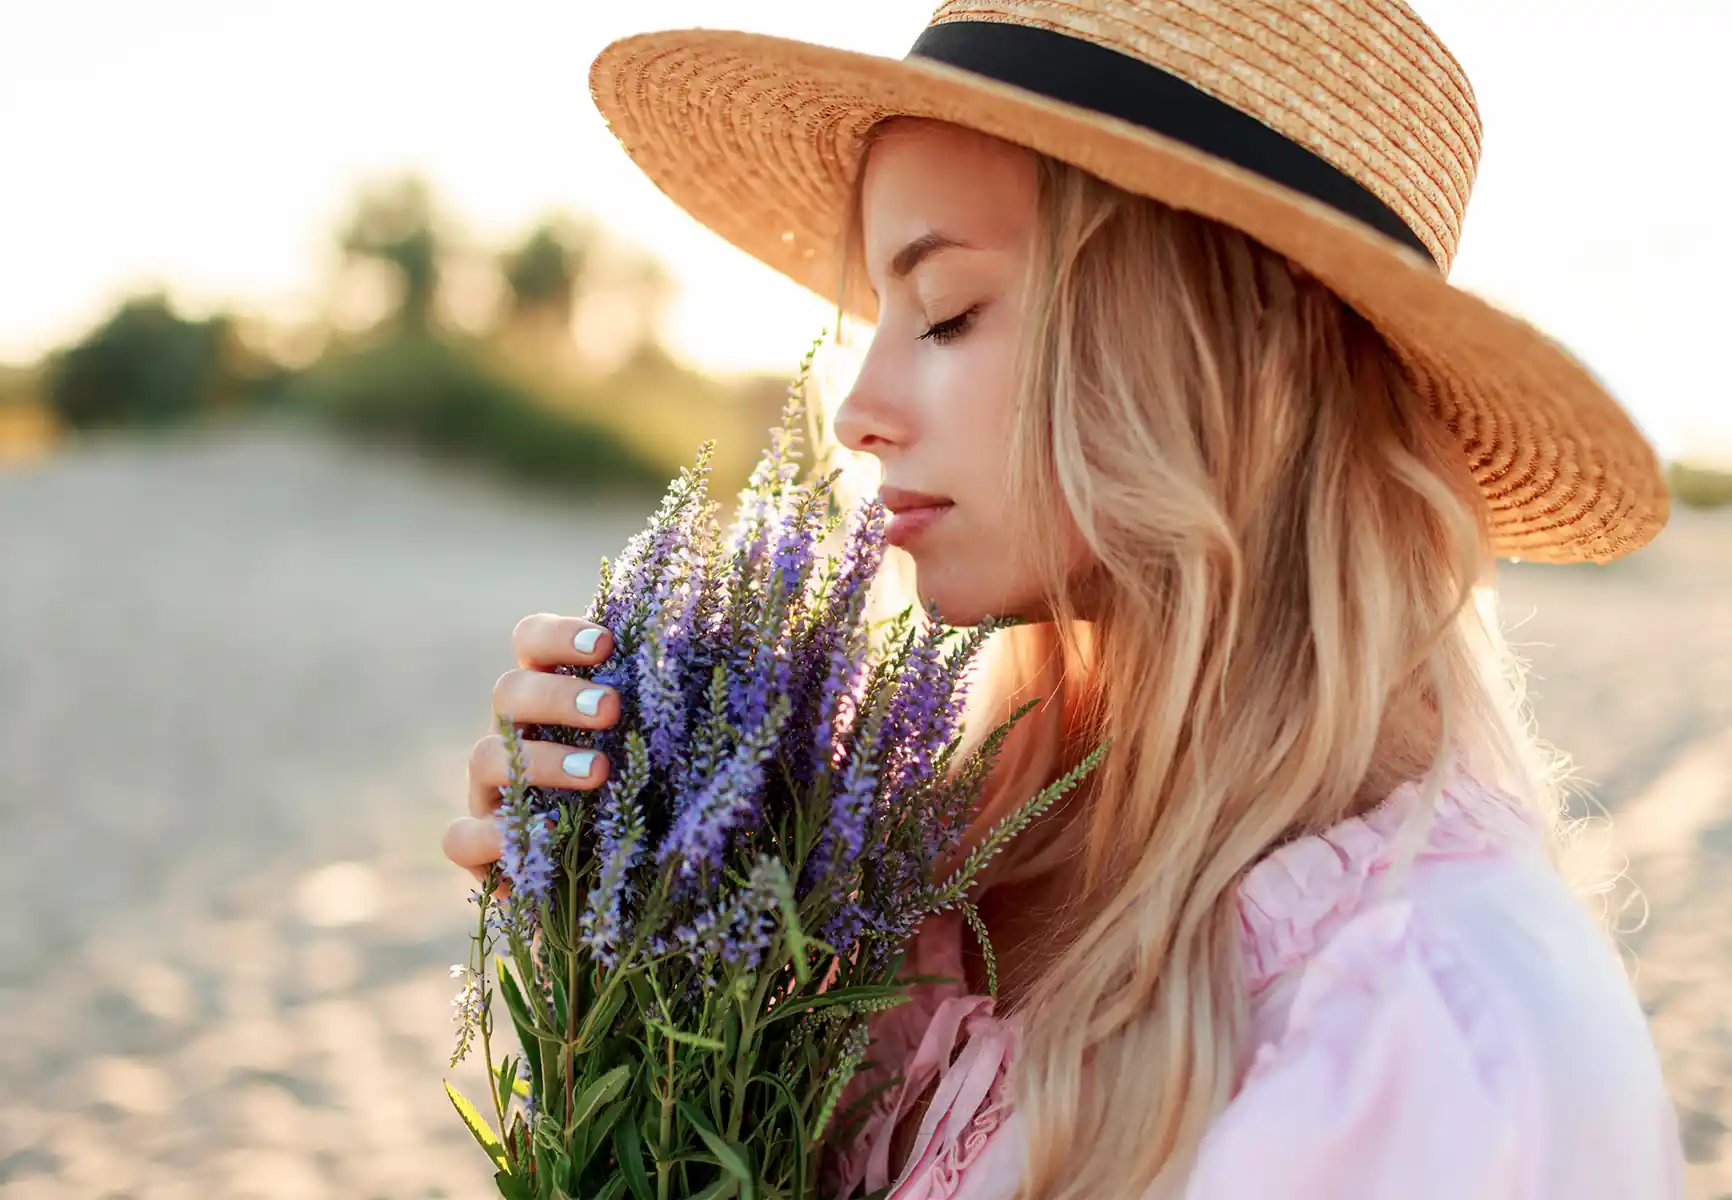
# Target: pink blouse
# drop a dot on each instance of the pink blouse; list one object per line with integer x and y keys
{"x": 1472, "y": 1035}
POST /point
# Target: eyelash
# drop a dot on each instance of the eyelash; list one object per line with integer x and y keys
{"x": 950, "y": 330}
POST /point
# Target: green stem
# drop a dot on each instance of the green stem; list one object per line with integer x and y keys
{"x": 743, "y": 1056}
{"x": 616, "y": 977}
{"x": 565, "y": 1059}
{"x": 481, "y": 941}
{"x": 664, "y": 1168}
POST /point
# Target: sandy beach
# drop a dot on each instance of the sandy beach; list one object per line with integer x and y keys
{"x": 240, "y": 675}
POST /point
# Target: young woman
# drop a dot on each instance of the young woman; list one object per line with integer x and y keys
{"x": 1164, "y": 359}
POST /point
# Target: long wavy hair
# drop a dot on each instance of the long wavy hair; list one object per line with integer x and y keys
{"x": 1298, "y": 620}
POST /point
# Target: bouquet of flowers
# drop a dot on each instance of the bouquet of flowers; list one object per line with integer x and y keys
{"x": 689, "y": 954}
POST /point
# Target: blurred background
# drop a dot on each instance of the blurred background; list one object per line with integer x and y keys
{"x": 336, "y": 337}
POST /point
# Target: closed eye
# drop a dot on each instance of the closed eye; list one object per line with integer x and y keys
{"x": 950, "y": 330}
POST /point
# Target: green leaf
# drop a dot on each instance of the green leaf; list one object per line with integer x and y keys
{"x": 731, "y": 1157}
{"x": 559, "y": 1001}
{"x": 786, "y": 1094}
{"x": 513, "y": 996}
{"x": 791, "y": 931}
{"x": 543, "y": 1166}
{"x": 479, "y": 1127}
{"x": 547, "y": 1138}
{"x": 855, "y": 1046}
{"x": 721, "y": 1189}
{"x": 540, "y": 1047}
{"x": 599, "y": 1020}
{"x": 597, "y": 1134}
{"x": 614, "y": 1190}
{"x": 528, "y": 1031}
{"x": 506, "y": 1083}
{"x": 845, "y": 995}
{"x": 596, "y": 1095}
{"x": 972, "y": 916}
{"x": 1009, "y": 826}
{"x": 688, "y": 1039}
{"x": 628, "y": 1150}
{"x": 512, "y": 1187}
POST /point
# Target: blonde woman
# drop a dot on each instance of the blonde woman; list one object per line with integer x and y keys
{"x": 1164, "y": 359}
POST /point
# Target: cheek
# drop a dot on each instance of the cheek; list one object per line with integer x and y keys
{"x": 979, "y": 402}
{"x": 977, "y": 568}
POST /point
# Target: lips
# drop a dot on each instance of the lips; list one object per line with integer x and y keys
{"x": 913, "y": 513}
{"x": 899, "y": 500}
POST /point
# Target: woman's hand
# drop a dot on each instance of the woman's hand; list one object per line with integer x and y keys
{"x": 532, "y": 694}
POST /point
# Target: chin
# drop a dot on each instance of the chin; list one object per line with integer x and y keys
{"x": 963, "y": 602}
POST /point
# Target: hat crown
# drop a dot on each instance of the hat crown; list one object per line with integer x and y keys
{"x": 1363, "y": 84}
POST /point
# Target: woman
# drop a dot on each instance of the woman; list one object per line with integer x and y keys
{"x": 1164, "y": 360}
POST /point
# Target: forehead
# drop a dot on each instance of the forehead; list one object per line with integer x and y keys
{"x": 922, "y": 176}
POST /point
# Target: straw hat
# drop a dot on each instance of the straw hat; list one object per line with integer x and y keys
{"x": 1341, "y": 133}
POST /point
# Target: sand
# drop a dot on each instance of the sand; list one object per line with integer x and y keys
{"x": 239, "y": 678}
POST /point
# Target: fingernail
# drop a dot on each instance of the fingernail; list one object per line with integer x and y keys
{"x": 579, "y": 762}
{"x": 589, "y": 700}
{"x": 586, "y": 639}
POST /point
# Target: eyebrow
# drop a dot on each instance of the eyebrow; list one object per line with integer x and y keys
{"x": 922, "y": 248}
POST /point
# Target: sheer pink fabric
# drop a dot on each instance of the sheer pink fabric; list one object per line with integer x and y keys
{"x": 1472, "y": 1035}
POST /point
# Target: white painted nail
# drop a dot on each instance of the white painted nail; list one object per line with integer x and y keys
{"x": 589, "y": 700}
{"x": 587, "y": 638}
{"x": 579, "y": 762}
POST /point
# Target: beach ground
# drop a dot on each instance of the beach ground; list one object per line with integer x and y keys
{"x": 239, "y": 678}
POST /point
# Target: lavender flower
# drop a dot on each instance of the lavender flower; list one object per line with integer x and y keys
{"x": 700, "y": 832}
{"x": 467, "y": 1011}
{"x": 779, "y": 800}
{"x": 526, "y": 831}
{"x": 739, "y": 930}
{"x": 660, "y": 692}
{"x": 915, "y": 717}
{"x": 621, "y": 845}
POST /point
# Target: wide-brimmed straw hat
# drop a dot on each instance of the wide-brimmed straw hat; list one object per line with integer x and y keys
{"x": 1340, "y": 133}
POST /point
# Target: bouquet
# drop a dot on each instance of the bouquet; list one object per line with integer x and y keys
{"x": 689, "y": 953}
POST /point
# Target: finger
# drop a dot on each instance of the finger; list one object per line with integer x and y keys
{"x": 537, "y": 697}
{"x": 473, "y": 844}
{"x": 543, "y": 640}
{"x": 546, "y": 764}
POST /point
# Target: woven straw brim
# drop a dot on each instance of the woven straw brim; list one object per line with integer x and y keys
{"x": 758, "y": 138}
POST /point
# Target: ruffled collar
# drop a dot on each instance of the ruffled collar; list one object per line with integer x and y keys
{"x": 952, "y": 1040}
{"x": 1288, "y": 898}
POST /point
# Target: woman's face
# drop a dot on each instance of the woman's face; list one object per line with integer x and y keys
{"x": 949, "y": 223}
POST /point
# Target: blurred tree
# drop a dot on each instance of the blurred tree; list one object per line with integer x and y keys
{"x": 1700, "y": 484}
{"x": 396, "y": 223}
{"x": 572, "y": 289}
{"x": 545, "y": 271}
{"x": 145, "y": 365}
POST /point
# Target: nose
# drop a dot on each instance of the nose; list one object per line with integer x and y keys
{"x": 868, "y": 421}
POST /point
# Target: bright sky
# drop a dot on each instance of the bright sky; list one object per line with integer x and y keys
{"x": 212, "y": 146}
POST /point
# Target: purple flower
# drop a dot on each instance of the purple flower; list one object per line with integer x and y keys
{"x": 620, "y": 846}
{"x": 661, "y": 694}
{"x": 836, "y": 654}
{"x": 775, "y": 760}
{"x": 526, "y": 860}
{"x": 914, "y": 721}
{"x": 740, "y": 930}
{"x": 727, "y": 802}
{"x": 841, "y": 679}
{"x": 526, "y": 831}
{"x": 851, "y": 803}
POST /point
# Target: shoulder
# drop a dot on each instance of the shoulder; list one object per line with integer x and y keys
{"x": 1471, "y": 1036}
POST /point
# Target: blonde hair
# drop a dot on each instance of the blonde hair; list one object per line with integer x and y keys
{"x": 1291, "y": 548}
